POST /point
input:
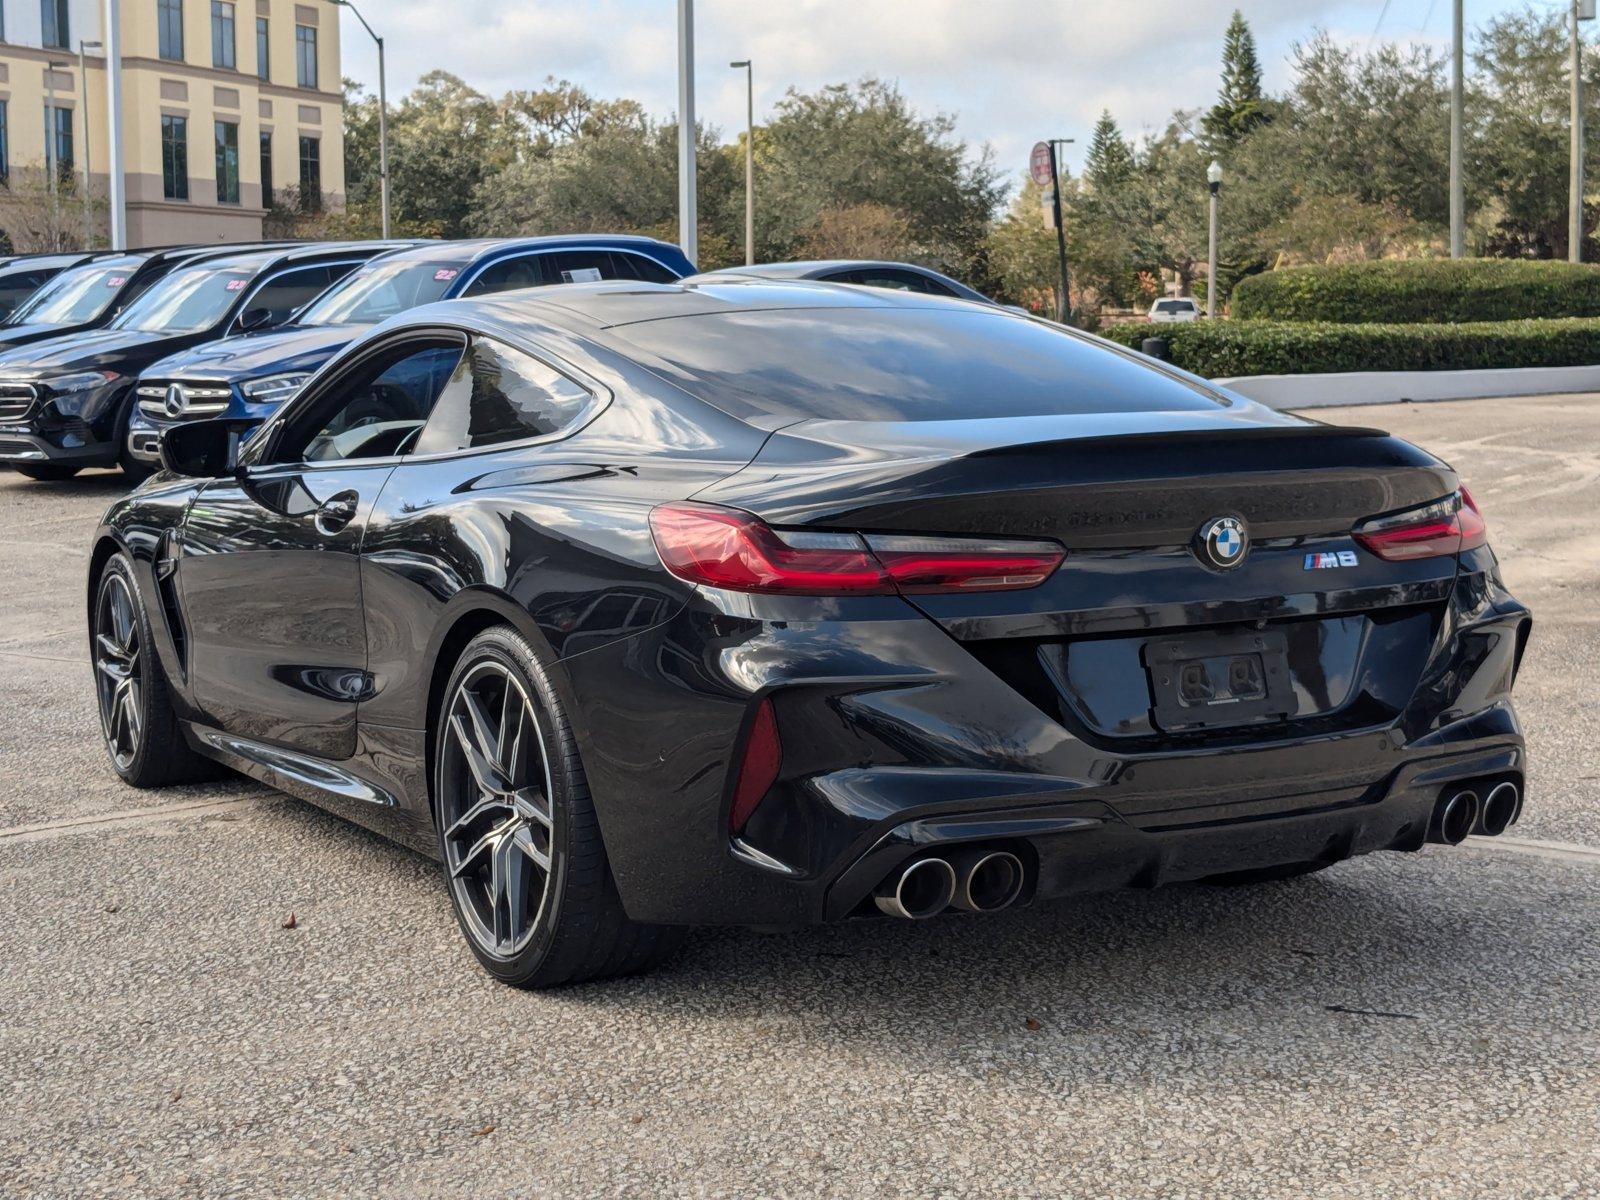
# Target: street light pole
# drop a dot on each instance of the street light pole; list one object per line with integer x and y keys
{"x": 383, "y": 121}
{"x": 116, "y": 192}
{"x": 1458, "y": 222}
{"x": 1214, "y": 182}
{"x": 688, "y": 196}
{"x": 1581, "y": 11}
{"x": 88, "y": 175}
{"x": 749, "y": 161}
{"x": 1064, "y": 305}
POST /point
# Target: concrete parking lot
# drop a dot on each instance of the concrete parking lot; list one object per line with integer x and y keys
{"x": 1416, "y": 1026}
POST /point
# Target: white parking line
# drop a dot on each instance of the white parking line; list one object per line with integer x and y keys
{"x": 46, "y": 830}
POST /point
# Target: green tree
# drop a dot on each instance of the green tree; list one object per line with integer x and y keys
{"x": 1239, "y": 106}
{"x": 1109, "y": 163}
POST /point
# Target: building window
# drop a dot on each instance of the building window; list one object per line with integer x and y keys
{"x": 263, "y": 59}
{"x": 305, "y": 50}
{"x": 222, "y": 53}
{"x": 175, "y": 158}
{"x": 266, "y": 168}
{"x": 310, "y": 174}
{"x": 227, "y": 163}
{"x": 53, "y": 16}
{"x": 58, "y": 129}
{"x": 169, "y": 29}
{"x": 5, "y": 143}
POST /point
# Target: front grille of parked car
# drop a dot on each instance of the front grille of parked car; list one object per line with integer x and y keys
{"x": 15, "y": 400}
{"x": 201, "y": 398}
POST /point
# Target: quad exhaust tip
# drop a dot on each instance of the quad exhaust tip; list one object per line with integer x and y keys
{"x": 1454, "y": 817}
{"x": 988, "y": 880}
{"x": 1500, "y": 809}
{"x": 923, "y": 888}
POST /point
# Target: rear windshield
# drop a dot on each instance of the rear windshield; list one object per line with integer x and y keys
{"x": 186, "y": 301}
{"x": 1173, "y": 306}
{"x": 861, "y": 364}
{"x": 76, "y": 296}
{"x": 382, "y": 289}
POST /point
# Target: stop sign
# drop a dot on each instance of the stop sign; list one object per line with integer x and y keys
{"x": 1039, "y": 165}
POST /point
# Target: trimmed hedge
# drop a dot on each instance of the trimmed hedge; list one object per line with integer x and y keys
{"x": 1218, "y": 349}
{"x": 1421, "y": 291}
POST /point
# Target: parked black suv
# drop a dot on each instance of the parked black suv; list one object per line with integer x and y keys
{"x": 64, "y": 403}
{"x": 91, "y": 294}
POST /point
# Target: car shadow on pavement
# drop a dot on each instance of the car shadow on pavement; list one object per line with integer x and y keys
{"x": 1392, "y": 951}
{"x": 88, "y": 485}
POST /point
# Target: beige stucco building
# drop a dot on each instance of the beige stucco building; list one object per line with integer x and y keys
{"x": 225, "y": 103}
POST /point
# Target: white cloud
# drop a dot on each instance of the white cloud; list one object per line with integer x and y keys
{"x": 1012, "y": 71}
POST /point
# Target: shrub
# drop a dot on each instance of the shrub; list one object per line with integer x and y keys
{"x": 1421, "y": 291}
{"x": 1217, "y": 349}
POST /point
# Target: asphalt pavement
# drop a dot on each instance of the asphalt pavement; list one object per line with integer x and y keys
{"x": 1403, "y": 1025}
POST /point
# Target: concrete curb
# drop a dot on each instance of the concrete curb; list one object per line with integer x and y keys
{"x": 1392, "y": 387}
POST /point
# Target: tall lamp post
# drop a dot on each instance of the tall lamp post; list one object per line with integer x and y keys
{"x": 749, "y": 160}
{"x": 88, "y": 177}
{"x": 1064, "y": 308}
{"x": 116, "y": 190}
{"x": 1458, "y": 202}
{"x": 1582, "y": 10}
{"x": 688, "y": 195}
{"x": 383, "y": 119}
{"x": 1214, "y": 181}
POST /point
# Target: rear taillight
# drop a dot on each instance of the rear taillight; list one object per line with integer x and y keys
{"x": 726, "y": 548}
{"x": 758, "y": 767}
{"x": 1446, "y": 526}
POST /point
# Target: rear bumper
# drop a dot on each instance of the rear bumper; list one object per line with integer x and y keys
{"x": 1087, "y": 846}
{"x": 898, "y": 739}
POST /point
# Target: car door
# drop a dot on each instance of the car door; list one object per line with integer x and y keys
{"x": 269, "y": 572}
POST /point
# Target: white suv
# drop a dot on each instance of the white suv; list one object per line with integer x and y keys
{"x": 1175, "y": 308}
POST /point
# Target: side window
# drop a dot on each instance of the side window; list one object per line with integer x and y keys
{"x": 283, "y": 295}
{"x": 376, "y": 410}
{"x": 506, "y": 276}
{"x": 499, "y": 394}
{"x": 903, "y": 281}
{"x": 637, "y": 266}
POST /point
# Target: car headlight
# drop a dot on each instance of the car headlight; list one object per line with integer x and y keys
{"x": 81, "y": 381}
{"x": 274, "y": 389}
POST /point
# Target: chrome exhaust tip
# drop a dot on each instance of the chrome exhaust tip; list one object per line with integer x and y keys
{"x": 1500, "y": 808}
{"x": 1454, "y": 817}
{"x": 921, "y": 889}
{"x": 988, "y": 880}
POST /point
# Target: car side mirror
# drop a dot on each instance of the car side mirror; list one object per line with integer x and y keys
{"x": 201, "y": 449}
{"x": 255, "y": 318}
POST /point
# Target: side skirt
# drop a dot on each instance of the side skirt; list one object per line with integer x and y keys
{"x": 350, "y": 789}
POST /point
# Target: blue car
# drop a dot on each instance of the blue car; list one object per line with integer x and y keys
{"x": 247, "y": 377}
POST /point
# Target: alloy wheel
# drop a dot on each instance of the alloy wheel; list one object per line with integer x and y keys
{"x": 495, "y": 808}
{"x": 116, "y": 669}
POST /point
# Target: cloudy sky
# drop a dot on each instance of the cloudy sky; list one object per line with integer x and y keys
{"x": 1012, "y": 71}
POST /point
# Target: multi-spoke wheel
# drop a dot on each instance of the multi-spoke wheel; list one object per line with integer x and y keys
{"x": 495, "y": 807}
{"x": 116, "y": 669}
{"x": 136, "y": 715}
{"x": 517, "y": 830}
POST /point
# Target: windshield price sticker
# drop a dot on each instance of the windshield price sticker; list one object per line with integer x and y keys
{"x": 237, "y": 285}
{"x": 445, "y": 274}
{"x": 116, "y": 281}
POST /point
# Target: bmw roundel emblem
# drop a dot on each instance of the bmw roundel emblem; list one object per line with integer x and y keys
{"x": 176, "y": 400}
{"x": 1224, "y": 541}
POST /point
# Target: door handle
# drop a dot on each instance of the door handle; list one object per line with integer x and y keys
{"x": 337, "y": 511}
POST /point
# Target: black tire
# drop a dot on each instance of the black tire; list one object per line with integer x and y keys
{"x": 48, "y": 472}
{"x": 156, "y": 755}
{"x": 135, "y": 470}
{"x": 1266, "y": 875}
{"x": 578, "y": 930}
